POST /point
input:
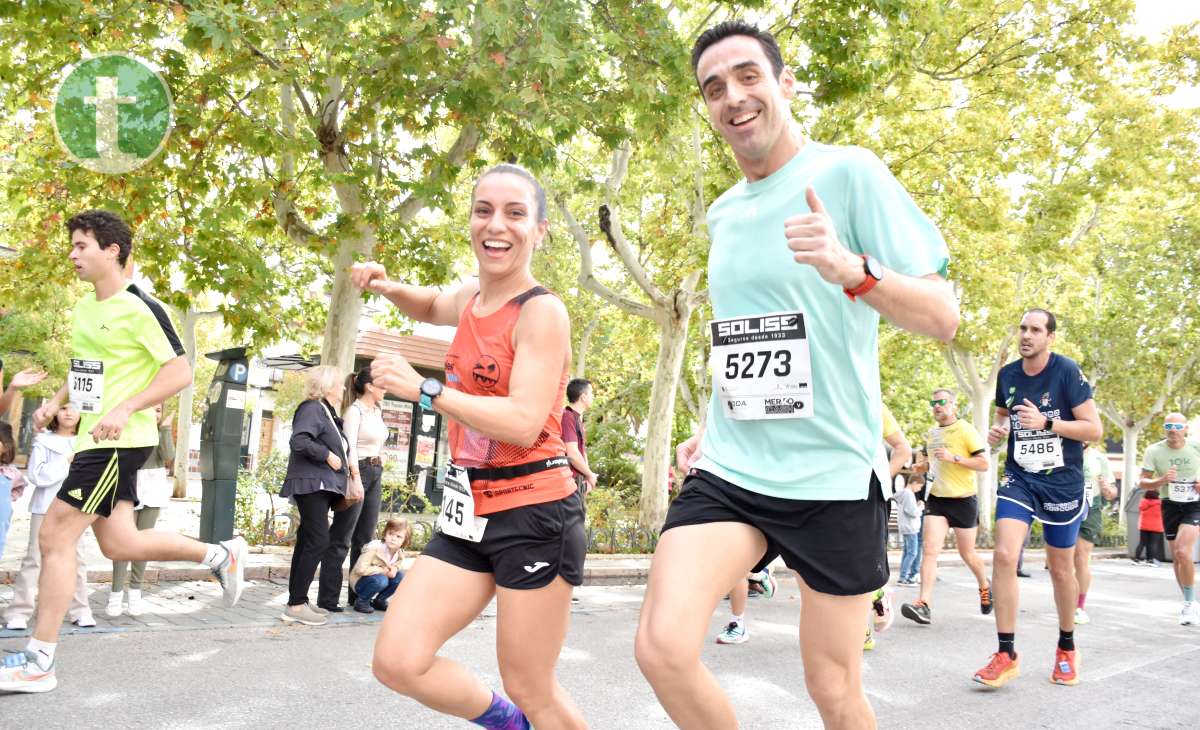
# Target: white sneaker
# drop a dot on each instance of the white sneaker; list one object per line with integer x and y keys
{"x": 113, "y": 608}
{"x": 136, "y": 605}
{"x": 85, "y": 620}
{"x": 1081, "y": 616}
{"x": 232, "y": 572}
{"x": 733, "y": 633}
{"x": 1187, "y": 616}
{"x": 17, "y": 623}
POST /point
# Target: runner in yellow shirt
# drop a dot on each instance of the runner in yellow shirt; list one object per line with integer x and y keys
{"x": 956, "y": 452}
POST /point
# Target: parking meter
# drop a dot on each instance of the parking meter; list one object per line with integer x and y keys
{"x": 221, "y": 443}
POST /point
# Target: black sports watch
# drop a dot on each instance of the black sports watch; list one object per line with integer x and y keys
{"x": 430, "y": 388}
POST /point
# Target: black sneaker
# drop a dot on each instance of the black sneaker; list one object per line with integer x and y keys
{"x": 917, "y": 611}
{"x": 362, "y": 606}
{"x": 379, "y": 604}
{"x": 332, "y": 608}
{"x": 985, "y": 599}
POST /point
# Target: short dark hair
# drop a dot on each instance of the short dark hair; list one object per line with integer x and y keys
{"x": 730, "y": 28}
{"x": 1051, "y": 320}
{"x": 107, "y": 228}
{"x": 576, "y": 388}
{"x": 539, "y": 193}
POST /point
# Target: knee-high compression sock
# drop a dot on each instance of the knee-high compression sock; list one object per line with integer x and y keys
{"x": 1008, "y": 643}
{"x": 502, "y": 715}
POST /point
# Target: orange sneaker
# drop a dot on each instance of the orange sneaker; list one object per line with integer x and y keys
{"x": 1066, "y": 667}
{"x": 1000, "y": 668}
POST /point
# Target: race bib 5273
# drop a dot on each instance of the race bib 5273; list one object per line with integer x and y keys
{"x": 761, "y": 366}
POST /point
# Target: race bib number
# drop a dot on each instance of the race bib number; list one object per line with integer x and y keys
{"x": 1183, "y": 491}
{"x": 761, "y": 366}
{"x": 86, "y": 385}
{"x": 457, "y": 518}
{"x": 1038, "y": 450}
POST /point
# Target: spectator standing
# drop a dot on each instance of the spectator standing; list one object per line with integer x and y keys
{"x": 316, "y": 480}
{"x": 1150, "y": 524}
{"x": 49, "y": 461}
{"x": 154, "y": 492}
{"x": 910, "y": 528}
{"x": 579, "y": 399}
{"x": 365, "y": 435}
{"x": 12, "y": 484}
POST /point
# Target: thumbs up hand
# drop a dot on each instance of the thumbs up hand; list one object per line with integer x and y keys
{"x": 813, "y": 239}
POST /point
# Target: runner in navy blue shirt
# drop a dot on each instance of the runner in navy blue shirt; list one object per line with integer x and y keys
{"x": 1044, "y": 409}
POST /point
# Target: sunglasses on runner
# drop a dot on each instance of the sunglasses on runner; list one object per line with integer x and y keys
{"x": 1174, "y": 426}
{"x": 938, "y": 402}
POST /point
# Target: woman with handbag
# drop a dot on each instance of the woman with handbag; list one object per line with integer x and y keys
{"x": 316, "y": 482}
{"x": 365, "y": 434}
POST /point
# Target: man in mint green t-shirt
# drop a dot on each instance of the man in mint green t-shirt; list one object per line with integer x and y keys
{"x": 125, "y": 359}
{"x": 807, "y": 252}
{"x": 1172, "y": 466}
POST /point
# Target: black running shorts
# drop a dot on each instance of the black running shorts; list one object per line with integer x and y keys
{"x": 1178, "y": 513}
{"x": 523, "y": 547}
{"x": 960, "y": 512}
{"x": 99, "y": 478}
{"x": 838, "y": 547}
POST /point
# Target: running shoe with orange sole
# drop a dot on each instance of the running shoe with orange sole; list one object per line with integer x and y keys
{"x": 1066, "y": 667}
{"x": 985, "y": 599}
{"x": 999, "y": 670}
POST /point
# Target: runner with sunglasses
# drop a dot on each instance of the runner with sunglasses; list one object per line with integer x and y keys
{"x": 1172, "y": 466}
{"x": 956, "y": 452}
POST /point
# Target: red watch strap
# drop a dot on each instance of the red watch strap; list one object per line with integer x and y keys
{"x": 864, "y": 287}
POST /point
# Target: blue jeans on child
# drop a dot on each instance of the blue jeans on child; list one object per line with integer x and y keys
{"x": 378, "y": 586}
{"x": 911, "y": 557}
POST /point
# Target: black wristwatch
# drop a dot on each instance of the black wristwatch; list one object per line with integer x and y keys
{"x": 1050, "y": 424}
{"x": 430, "y": 388}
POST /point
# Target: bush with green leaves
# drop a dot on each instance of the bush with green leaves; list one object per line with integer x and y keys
{"x": 254, "y": 514}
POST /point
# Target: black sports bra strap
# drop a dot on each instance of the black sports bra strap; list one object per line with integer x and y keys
{"x": 536, "y": 291}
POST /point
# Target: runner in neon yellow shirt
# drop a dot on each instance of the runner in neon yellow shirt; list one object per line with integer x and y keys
{"x": 125, "y": 359}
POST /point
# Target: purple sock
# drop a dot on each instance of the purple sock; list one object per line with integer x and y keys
{"x": 502, "y": 715}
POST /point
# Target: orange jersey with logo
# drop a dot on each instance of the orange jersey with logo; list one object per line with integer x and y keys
{"x": 480, "y": 362}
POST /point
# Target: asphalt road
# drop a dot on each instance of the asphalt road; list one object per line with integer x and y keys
{"x": 1139, "y": 668}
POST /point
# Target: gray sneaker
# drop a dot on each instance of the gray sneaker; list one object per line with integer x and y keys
{"x": 232, "y": 572}
{"x": 305, "y": 614}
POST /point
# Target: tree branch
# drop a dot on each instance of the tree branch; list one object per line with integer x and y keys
{"x": 464, "y": 145}
{"x": 587, "y": 276}
{"x": 610, "y": 224}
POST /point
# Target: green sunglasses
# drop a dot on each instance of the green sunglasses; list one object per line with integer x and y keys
{"x": 938, "y": 402}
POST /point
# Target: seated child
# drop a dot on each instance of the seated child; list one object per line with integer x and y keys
{"x": 377, "y": 573}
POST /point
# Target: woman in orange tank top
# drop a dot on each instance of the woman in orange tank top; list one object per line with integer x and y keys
{"x": 512, "y": 519}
